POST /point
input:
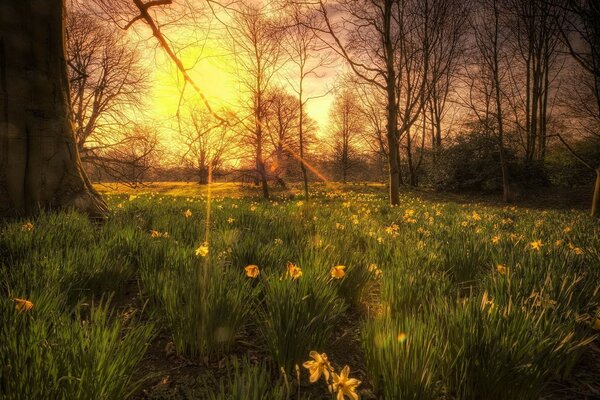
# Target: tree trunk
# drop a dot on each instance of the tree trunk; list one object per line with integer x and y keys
{"x": 203, "y": 175}
{"x": 392, "y": 108}
{"x": 596, "y": 199}
{"x": 40, "y": 167}
{"x": 301, "y": 131}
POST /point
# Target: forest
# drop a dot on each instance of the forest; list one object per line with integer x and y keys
{"x": 300, "y": 199}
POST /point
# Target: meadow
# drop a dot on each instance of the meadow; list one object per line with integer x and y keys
{"x": 185, "y": 294}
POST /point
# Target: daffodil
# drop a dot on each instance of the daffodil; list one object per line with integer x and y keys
{"x": 294, "y": 271}
{"x": 202, "y": 251}
{"x": 23, "y": 305}
{"x": 338, "y": 272}
{"x": 252, "y": 271}
{"x": 187, "y": 213}
{"x": 344, "y": 385}
{"x": 536, "y": 245}
{"x": 496, "y": 239}
{"x": 319, "y": 365}
{"x": 502, "y": 270}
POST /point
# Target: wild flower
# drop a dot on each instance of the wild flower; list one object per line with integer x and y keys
{"x": 536, "y": 245}
{"x": 293, "y": 271}
{"x": 338, "y": 272}
{"x": 252, "y": 271}
{"x": 202, "y": 250}
{"x": 502, "y": 270}
{"x": 23, "y": 305}
{"x": 187, "y": 213}
{"x": 157, "y": 234}
{"x": 402, "y": 337}
{"x": 496, "y": 239}
{"x": 319, "y": 365}
{"x": 344, "y": 385}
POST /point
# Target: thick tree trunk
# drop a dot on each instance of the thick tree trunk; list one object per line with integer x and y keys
{"x": 596, "y": 199}
{"x": 40, "y": 166}
{"x": 203, "y": 175}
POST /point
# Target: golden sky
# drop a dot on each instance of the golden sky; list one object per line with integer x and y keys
{"x": 214, "y": 70}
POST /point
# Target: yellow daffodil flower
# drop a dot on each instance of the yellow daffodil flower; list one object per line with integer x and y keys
{"x": 252, "y": 271}
{"x": 536, "y": 245}
{"x": 294, "y": 271}
{"x": 344, "y": 385}
{"x": 23, "y": 305}
{"x": 319, "y": 365}
{"x": 338, "y": 272}
{"x": 202, "y": 251}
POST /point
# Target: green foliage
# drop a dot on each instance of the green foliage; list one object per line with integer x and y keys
{"x": 403, "y": 357}
{"x": 246, "y": 381}
{"x": 298, "y": 316}
{"x": 499, "y": 352}
{"x": 84, "y": 353}
{"x": 435, "y": 263}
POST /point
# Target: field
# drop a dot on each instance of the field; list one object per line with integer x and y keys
{"x": 185, "y": 293}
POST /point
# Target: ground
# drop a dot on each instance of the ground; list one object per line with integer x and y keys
{"x": 442, "y": 297}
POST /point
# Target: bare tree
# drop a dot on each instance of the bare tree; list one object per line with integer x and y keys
{"x": 450, "y": 21}
{"x": 368, "y": 40}
{"x": 308, "y": 56}
{"x": 126, "y": 163}
{"x": 107, "y": 83}
{"x": 347, "y": 126}
{"x": 490, "y": 44}
{"x": 256, "y": 47}
{"x": 536, "y": 40}
{"x": 207, "y": 143}
{"x": 580, "y": 32}
{"x": 40, "y": 165}
{"x": 282, "y": 121}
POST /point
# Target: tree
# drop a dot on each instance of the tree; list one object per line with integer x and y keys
{"x": 490, "y": 41}
{"x": 107, "y": 83}
{"x": 282, "y": 121}
{"x": 370, "y": 51}
{"x": 257, "y": 51}
{"x": 207, "y": 143}
{"x": 346, "y": 128}
{"x": 40, "y": 167}
{"x": 580, "y": 32}
{"x": 308, "y": 56}
{"x": 536, "y": 40}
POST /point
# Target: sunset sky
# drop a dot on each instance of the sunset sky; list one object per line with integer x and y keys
{"x": 205, "y": 53}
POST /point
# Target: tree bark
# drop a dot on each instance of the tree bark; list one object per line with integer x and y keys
{"x": 392, "y": 109}
{"x": 40, "y": 167}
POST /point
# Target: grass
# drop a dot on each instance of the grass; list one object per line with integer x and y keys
{"x": 437, "y": 300}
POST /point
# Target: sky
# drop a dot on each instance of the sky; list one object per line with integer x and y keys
{"x": 204, "y": 53}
